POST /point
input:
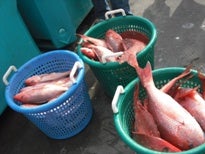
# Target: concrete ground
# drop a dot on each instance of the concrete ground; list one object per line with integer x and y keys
{"x": 181, "y": 35}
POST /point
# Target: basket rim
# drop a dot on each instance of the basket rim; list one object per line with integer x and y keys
{"x": 50, "y": 105}
{"x": 126, "y": 138}
{"x": 116, "y": 64}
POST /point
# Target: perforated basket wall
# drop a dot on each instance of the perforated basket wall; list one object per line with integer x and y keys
{"x": 69, "y": 113}
{"x": 124, "y": 119}
{"x": 110, "y": 75}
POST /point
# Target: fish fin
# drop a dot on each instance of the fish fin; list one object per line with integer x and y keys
{"x": 145, "y": 102}
{"x": 172, "y": 84}
{"x": 136, "y": 92}
{"x": 186, "y": 92}
{"x": 201, "y": 77}
{"x": 83, "y": 37}
{"x": 173, "y": 90}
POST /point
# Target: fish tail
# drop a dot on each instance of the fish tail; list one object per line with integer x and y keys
{"x": 145, "y": 74}
{"x": 84, "y": 38}
{"x": 80, "y": 35}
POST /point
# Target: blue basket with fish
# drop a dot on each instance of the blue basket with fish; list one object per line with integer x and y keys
{"x": 112, "y": 74}
{"x": 124, "y": 109}
{"x": 68, "y": 113}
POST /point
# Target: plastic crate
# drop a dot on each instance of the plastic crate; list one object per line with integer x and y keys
{"x": 112, "y": 74}
{"x": 70, "y": 112}
{"x": 124, "y": 112}
{"x": 16, "y": 45}
{"x": 54, "y": 21}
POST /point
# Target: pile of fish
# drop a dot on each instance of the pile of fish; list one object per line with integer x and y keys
{"x": 43, "y": 88}
{"x": 113, "y": 46}
{"x": 170, "y": 119}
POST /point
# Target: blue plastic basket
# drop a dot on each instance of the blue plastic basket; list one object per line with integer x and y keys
{"x": 69, "y": 113}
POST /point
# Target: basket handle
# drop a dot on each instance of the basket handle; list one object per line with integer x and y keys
{"x": 8, "y": 72}
{"x": 118, "y": 91}
{"x": 111, "y": 55}
{"x": 112, "y": 12}
{"x": 73, "y": 71}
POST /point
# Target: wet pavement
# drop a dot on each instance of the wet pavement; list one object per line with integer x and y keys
{"x": 181, "y": 35}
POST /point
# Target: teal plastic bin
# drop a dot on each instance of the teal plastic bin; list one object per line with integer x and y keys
{"x": 54, "y": 21}
{"x": 16, "y": 43}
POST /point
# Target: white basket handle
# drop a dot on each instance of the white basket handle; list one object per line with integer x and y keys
{"x": 73, "y": 71}
{"x": 116, "y": 54}
{"x": 112, "y": 12}
{"x": 119, "y": 91}
{"x": 8, "y": 72}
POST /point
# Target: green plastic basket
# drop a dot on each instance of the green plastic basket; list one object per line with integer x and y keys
{"x": 124, "y": 113}
{"x": 112, "y": 74}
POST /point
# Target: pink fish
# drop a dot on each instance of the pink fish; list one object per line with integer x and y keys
{"x": 192, "y": 101}
{"x": 134, "y": 45}
{"x": 45, "y": 77}
{"x": 89, "y": 52}
{"x": 104, "y": 54}
{"x": 176, "y": 125}
{"x": 59, "y": 82}
{"x": 29, "y": 105}
{"x": 132, "y": 34}
{"x": 144, "y": 122}
{"x": 155, "y": 143}
{"x": 94, "y": 41}
{"x": 133, "y": 48}
{"x": 145, "y": 129}
{"x": 41, "y": 94}
{"x": 114, "y": 41}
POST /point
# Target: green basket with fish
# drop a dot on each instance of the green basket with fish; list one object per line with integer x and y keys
{"x": 67, "y": 109}
{"x": 124, "y": 113}
{"x": 111, "y": 74}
